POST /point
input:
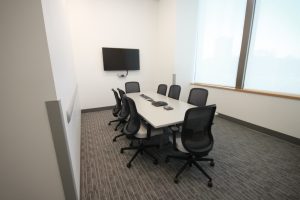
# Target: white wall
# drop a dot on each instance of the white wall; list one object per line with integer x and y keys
{"x": 28, "y": 168}
{"x": 274, "y": 113}
{"x": 115, "y": 23}
{"x": 277, "y": 114}
{"x": 186, "y": 36}
{"x": 62, "y": 61}
{"x": 166, "y": 42}
{"x": 112, "y": 23}
{"x": 177, "y": 32}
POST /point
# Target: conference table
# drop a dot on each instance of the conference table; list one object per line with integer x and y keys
{"x": 158, "y": 117}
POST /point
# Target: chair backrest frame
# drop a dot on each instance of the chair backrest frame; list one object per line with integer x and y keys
{"x": 196, "y": 132}
{"x": 121, "y": 93}
{"x": 132, "y": 87}
{"x": 124, "y": 112}
{"x": 118, "y": 106}
{"x": 133, "y": 125}
{"x": 198, "y": 96}
{"x": 174, "y": 92}
{"x": 162, "y": 89}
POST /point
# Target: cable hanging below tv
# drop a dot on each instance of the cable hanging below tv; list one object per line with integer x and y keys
{"x": 118, "y": 59}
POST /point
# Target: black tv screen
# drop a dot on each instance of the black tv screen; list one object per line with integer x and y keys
{"x": 120, "y": 59}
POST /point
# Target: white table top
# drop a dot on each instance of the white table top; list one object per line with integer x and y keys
{"x": 158, "y": 117}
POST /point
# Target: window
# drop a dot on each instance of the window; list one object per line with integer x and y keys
{"x": 266, "y": 56}
{"x": 219, "y": 40}
{"x": 274, "y": 55}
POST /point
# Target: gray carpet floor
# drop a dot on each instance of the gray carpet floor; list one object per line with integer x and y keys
{"x": 248, "y": 165}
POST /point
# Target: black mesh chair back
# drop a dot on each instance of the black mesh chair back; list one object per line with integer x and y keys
{"x": 196, "y": 133}
{"x": 132, "y": 131}
{"x": 134, "y": 122}
{"x": 121, "y": 92}
{"x": 174, "y": 91}
{"x": 198, "y": 97}
{"x": 117, "y": 107}
{"x": 123, "y": 114}
{"x": 162, "y": 89}
{"x": 131, "y": 87}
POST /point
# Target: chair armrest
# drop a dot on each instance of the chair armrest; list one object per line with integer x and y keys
{"x": 174, "y": 129}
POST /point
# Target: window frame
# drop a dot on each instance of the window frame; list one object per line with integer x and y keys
{"x": 243, "y": 60}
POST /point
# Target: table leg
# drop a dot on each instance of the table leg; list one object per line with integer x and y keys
{"x": 162, "y": 137}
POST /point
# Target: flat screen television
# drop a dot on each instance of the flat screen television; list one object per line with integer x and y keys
{"x": 115, "y": 59}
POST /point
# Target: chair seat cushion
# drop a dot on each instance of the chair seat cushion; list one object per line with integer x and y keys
{"x": 179, "y": 144}
{"x": 142, "y": 133}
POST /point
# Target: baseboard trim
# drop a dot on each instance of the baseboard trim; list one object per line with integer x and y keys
{"x": 267, "y": 131}
{"x": 97, "y": 109}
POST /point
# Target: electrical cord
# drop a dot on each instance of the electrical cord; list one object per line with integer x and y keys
{"x": 123, "y": 75}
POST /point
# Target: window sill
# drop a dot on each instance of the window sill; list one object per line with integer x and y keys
{"x": 259, "y": 92}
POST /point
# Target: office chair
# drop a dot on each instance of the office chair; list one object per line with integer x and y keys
{"x": 198, "y": 97}
{"x": 122, "y": 117}
{"x": 136, "y": 130}
{"x": 162, "y": 89}
{"x": 121, "y": 93}
{"x": 117, "y": 108}
{"x": 195, "y": 139}
{"x": 132, "y": 86}
{"x": 174, "y": 91}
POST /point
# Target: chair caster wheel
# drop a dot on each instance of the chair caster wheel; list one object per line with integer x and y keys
{"x": 176, "y": 180}
{"x": 212, "y": 163}
{"x": 114, "y": 140}
{"x": 209, "y": 184}
{"x": 128, "y": 165}
{"x": 109, "y": 123}
{"x": 167, "y": 160}
{"x": 121, "y": 151}
{"x": 155, "y": 162}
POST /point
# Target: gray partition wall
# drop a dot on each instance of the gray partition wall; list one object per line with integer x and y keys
{"x": 59, "y": 136}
